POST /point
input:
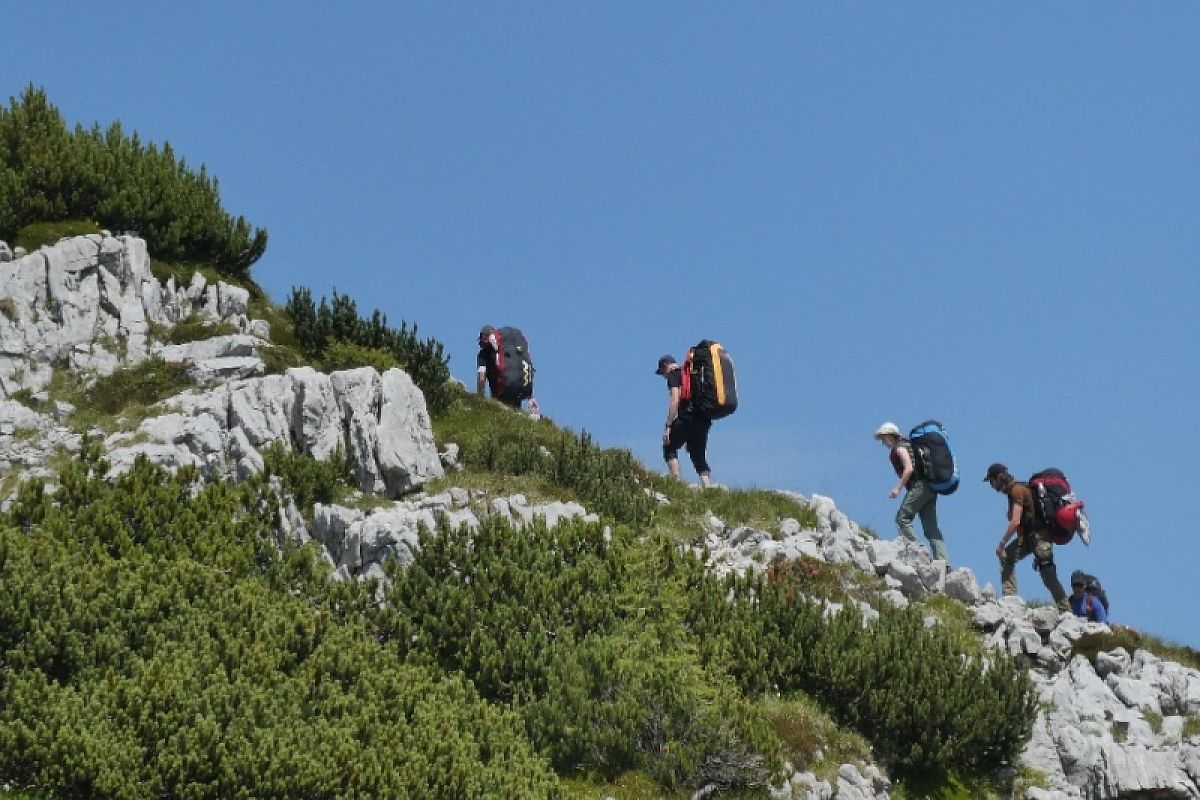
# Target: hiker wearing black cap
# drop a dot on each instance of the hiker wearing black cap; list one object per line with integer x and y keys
{"x": 683, "y": 427}
{"x": 1027, "y": 537}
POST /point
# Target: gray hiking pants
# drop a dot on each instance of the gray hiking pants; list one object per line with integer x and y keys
{"x": 922, "y": 501}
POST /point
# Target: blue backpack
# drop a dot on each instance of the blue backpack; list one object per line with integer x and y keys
{"x": 933, "y": 459}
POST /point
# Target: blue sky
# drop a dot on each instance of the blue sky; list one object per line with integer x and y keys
{"x": 980, "y": 212}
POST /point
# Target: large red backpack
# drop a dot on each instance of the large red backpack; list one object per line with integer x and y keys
{"x": 514, "y": 368}
{"x": 1057, "y": 508}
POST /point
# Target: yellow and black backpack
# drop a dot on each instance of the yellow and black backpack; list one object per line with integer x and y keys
{"x": 711, "y": 380}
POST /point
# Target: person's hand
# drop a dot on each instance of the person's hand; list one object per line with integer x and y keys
{"x": 534, "y": 410}
{"x": 1000, "y": 550}
{"x": 894, "y": 493}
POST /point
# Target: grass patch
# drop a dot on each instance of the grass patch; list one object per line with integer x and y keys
{"x": 9, "y": 309}
{"x": 756, "y": 508}
{"x": 946, "y": 786}
{"x": 283, "y": 333}
{"x": 26, "y": 434}
{"x": 278, "y": 359}
{"x": 38, "y": 234}
{"x": 813, "y": 742}
{"x": 536, "y": 489}
{"x": 182, "y": 272}
{"x": 1154, "y": 720}
{"x": 628, "y": 786}
{"x": 955, "y": 619}
{"x": 122, "y": 399}
{"x": 1119, "y": 733}
{"x": 1191, "y": 726}
{"x": 193, "y": 329}
{"x": 1093, "y": 643}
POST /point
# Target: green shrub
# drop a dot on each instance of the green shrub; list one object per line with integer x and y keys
{"x": 154, "y": 642}
{"x": 9, "y": 309}
{"x": 347, "y": 355}
{"x": 307, "y": 479}
{"x": 318, "y": 328}
{"x": 888, "y": 679}
{"x": 51, "y": 174}
{"x": 580, "y": 631}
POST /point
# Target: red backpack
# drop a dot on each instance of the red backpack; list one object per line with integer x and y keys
{"x": 1057, "y": 508}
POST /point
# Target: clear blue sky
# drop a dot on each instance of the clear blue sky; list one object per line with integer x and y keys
{"x": 985, "y": 213}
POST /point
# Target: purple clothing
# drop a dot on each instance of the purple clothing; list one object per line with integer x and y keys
{"x": 1089, "y": 607}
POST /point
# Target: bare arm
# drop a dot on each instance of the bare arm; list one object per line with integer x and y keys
{"x": 480, "y": 380}
{"x": 672, "y": 411}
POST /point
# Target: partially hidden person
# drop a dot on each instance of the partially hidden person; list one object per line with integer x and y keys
{"x": 684, "y": 427}
{"x": 1023, "y": 536}
{"x": 920, "y": 500}
{"x": 1086, "y": 600}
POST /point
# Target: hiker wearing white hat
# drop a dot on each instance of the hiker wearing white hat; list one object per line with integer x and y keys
{"x": 920, "y": 500}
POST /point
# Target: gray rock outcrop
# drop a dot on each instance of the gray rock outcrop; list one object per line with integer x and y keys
{"x": 88, "y": 302}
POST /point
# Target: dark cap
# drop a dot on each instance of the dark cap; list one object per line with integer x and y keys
{"x": 663, "y": 362}
{"x": 994, "y": 470}
{"x": 485, "y": 332}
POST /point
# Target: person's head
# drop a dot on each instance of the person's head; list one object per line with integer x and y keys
{"x": 484, "y": 333}
{"x": 1078, "y": 582}
{"x": 998, "y": 477}
{"x": 888, "y": 434}
{"x": 665, "y": 364}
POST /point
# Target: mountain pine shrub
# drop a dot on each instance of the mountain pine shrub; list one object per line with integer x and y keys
{"x": 579, "y": 629}
{"x": 156, "y": 642}
{"x": 49, "y": 173}
{"x": 924, "y": 702}
{"x": 335, "y": 335}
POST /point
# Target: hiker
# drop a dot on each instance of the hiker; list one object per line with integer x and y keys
{"x": 1085, "y": 602}
{"x": 920, "y": 499}
{"x": 505, "y": 366}
{"x": 1030, "y": 537}
{"x": 684, "y": 427}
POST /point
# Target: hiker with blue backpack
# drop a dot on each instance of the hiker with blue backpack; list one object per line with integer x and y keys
{"x": 1024, "y": 535}
{"x": 916, "y": 473}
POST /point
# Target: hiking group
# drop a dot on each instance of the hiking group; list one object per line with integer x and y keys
{"x": 1042, "y": 512}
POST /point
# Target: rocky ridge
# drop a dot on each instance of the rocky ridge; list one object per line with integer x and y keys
{"x": 1116, "y": 729}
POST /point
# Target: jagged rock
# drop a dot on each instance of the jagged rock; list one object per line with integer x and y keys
{"x": 6, "y": 254}
{"x": 962, "y": 586}
{"x": 90, "y": 301}
{"x": 405, "y": 451}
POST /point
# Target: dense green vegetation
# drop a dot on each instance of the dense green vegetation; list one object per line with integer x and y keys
{"x": 334, "y": 336}
{"x": 158, "y": 637}
{"x": 50, "y": 173}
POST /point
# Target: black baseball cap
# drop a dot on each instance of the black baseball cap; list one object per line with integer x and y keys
{"x": 663, "y": 362}
{"x": 994, "y": 470}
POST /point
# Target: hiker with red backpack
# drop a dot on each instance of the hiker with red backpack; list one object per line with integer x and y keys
{"x": 684, "y": 426}
{"x": 505, "y": 366}
{"x": 920, "y": 498}
{"x": 1028, "y": 535}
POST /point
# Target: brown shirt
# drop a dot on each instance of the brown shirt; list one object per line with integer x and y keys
{"x": 1021, "y": 494}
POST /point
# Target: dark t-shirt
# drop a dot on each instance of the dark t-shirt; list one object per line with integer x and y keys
{"x": 487, "y": 360}
{"x": 675, "y": 381}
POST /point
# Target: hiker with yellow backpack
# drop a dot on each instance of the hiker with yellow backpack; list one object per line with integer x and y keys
{"x": 700, "y": 391}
